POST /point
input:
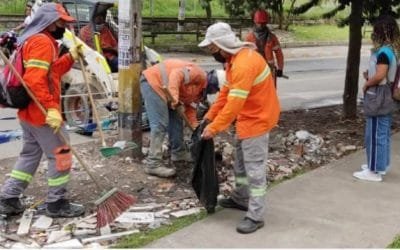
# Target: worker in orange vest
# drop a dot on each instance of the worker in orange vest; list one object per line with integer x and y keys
{"x": 187, "y": 84}
{"x": 249, "y": 97}
{"x": 267, "y": 43}
{"x": 108, "y": 42}
{"x": 44, "y": 68}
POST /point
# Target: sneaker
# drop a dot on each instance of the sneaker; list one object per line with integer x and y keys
{"x": 365, "y": 167}
{"x": 248, "y": 225}
{"x": 163, "y": 172}
{"x": 367, "y": 175}
{"x": 229, "y": 203}
{"x": 11, "y": 206}
{"x": 64, "y": 209}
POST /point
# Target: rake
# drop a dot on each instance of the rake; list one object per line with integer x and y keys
{"x": 113, "y": 202}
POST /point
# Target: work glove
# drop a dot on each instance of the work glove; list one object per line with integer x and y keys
{"x": 76, "y": 51}
{"x": 54, "y": 119}
{"x": 279, "y": 73}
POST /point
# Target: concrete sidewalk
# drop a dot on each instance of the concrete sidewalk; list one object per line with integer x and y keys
{"x": 324, "y": 208}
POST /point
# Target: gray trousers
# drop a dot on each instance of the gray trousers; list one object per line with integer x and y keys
{"x": 250, "y": 175}
{"x": 36, "y": 141}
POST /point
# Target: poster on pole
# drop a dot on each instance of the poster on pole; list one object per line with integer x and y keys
{"x": 124, "y": 35}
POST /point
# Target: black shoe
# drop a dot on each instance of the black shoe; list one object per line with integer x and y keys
{"x": 64, "y": 209}
{"x": 229, "y": 203}
{"x": 248, "y": 225}
{"x": 11, "y": 206}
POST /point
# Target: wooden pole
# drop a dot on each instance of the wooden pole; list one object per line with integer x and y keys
{"x": 129, "y": 52}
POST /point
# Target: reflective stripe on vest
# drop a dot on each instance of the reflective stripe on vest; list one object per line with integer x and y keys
{"x": 259, "y": 79}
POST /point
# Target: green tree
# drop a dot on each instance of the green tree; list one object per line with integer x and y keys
{"x": 361, "y": 11}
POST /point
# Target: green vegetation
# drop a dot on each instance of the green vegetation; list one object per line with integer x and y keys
{"x": 12, "y": 6}
{"x": 316, "y": 12}
{"x": 395, "y": 243}
{"x": 317, "y": 33}
{"x": 143, "y": 238}
{"x": 168, "y": 8}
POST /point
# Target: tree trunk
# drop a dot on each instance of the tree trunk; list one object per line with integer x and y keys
{"x": 353, "y": 60}
{"x": 208, "y": 11}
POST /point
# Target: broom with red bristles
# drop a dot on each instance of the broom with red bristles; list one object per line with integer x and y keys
{"x": 113, "y": 202}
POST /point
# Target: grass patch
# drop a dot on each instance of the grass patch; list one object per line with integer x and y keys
{"x": 143, "y": 238}
{"x": 395, "y": 243}
{"x": 322, "y": 32}
{"x": 12, "y": 7}
{"x": 170, "y": 8}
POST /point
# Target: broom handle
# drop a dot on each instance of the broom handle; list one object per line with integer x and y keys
{"x": 86, "y": 79}
{"x": 44, "y": 112}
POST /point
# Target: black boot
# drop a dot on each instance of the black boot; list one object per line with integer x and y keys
{"x": 64, "y": 209}
{"x": 11, "y": 206}
{"x": 248, "y": 225}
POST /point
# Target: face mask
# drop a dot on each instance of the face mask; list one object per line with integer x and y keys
{"x": 218, "y": 57}
{"x": 261, "y": 29}
{"x": 99, "y": 27}
{"x": 58, "y": 33}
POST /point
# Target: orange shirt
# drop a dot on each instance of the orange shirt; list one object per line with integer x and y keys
{"x": 249, "y": 96}
{"x": 107, "y": 39}
{"x": 43, "y": 72}
{"x": 271, "y": 47}
{"x": 186, "y": 82}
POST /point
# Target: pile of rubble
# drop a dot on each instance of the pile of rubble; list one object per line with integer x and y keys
{"x": 288, "y": 153}
{"x": 35, "y": 230}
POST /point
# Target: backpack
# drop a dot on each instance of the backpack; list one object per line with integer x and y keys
{"x": 12, "y": 93}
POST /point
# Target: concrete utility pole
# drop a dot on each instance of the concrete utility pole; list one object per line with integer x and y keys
{"x": 129, "y": 52}
{"x": 181, "y": 18}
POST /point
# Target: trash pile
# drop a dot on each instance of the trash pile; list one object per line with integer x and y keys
{"x": 35, "y": 230}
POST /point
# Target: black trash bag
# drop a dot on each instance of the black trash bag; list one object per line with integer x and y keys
{"x": 204, "y": 176}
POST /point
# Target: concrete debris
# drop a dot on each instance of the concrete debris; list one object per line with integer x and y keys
{"x": 135, "y": 217}
{"x": 25, "y": 222}
{"x": 109, "y": 237}
{"x": 74, "y": 244}
{"x": 57, "y": 236}
{"x": 42, "y": 223}
{"x": 183, "y": 213}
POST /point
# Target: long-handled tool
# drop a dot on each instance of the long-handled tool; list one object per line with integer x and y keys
{"x": 178, "y": 108}
{"x": 104, "y": 150}
{"x": 113, "y": 202}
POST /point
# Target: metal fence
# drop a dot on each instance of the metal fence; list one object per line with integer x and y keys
{"x": 12, "y": 7}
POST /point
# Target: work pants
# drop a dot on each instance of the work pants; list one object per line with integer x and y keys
{"x": 250, "y": 175}
{"x": 36, "y": 141}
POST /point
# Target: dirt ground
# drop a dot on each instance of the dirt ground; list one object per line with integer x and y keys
{"x": 127, "y": 174}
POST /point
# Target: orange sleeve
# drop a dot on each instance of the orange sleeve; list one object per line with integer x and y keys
{"x": 38, "y": 55}
{"x": 190, "y": 113}
{"x": 218, "y": 104}
{"x": 63, "y": 64}
{"x": 240, "y": 86}
{"x": 175, "y": 78}
{"x": 278, "y": 52}
{"x": 85, "y": 35}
